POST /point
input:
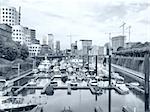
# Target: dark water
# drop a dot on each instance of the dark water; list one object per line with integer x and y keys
{"x": 84, "y": 101}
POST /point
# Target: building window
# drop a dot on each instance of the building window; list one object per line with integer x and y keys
{"x": 10, "y": 24}
{"x": 9, "y": 16}
{"x": 9, "y": 20}
{"x": 3, "y": 8}
{"x": 9, "y": 9}
{"x": 16, "y": 33}
{"x": 16, "y": 37}
{"x": 6, "y": 12}
{"x": 20, "y": 37}
{"x": 3, "y": 19}
{"x": 6, "y": 19}
{"x": 6, "y": 9}
{"x": 3, "y": 12}
{"x": 3, "y": 16}
{"x": 6, "y": 16}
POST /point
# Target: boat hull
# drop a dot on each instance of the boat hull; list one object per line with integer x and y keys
{"x": 18, "y": 109}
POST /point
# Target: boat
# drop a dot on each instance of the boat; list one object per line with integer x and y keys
{"x": 49, "y": 90}
{"x": 98, "y": 109}
{"x": 73, "y": 84}
{"x": 123, "y": 87}
{"x": 6, "y": 87}
{"x": 93, "y": 83}
{"x": 15, "y": 104}
{"x": 44, "y": 65}
{"x": 32, "y": 82}
{"x": 64, "y": 78}
{"x": 68, "y": 109}
{"x": 54, "y": 83}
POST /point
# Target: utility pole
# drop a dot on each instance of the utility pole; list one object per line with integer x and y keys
{"x": 129, "y": 28}
{"x": 109, "y": 34}
{"x": 96, "y": 65}
{"x": 146, "y": 72}
{"x": 123, "y": 26}
{"x": 109, "y": 107}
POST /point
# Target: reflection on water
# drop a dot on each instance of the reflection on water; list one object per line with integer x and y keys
{"x": 84, "y": 101}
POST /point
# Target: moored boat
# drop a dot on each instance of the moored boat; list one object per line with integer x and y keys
{"x": 15, "y": 104}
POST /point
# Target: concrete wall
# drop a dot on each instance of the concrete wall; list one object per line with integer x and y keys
{"x": 133, "y": 63}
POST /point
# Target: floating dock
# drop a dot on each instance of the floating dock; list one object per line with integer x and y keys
{"x": 69, "y": 90}
{"x": 44, "y": 89}
{"x": 37, "y": 109}
{"x": 126, "y": 109}
{"x": 135, "y": 88}
{"x": 20, "y": 89}
{"x": 118, "y": 90}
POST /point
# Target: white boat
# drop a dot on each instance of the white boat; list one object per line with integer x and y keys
{"x": 44, "y": 65}
{"x": 32, "y": 82}
{"x": 93, "y": 83}
{"x": 5, "y": 87}
{"x": 135, "y": 83}
{"x": 15, "y": 104}
{"x": 73, "y": 83}
{"x": 123, "y": 87}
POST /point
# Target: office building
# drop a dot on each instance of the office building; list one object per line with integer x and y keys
{"x": 118, "y": 41}
{"x": 86, "y": 46}
{"x": 57, "y": 46}
{"x": 34, "y": 50}
{"x": 9, "y": 15}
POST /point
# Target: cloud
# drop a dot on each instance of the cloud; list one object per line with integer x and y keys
{"x": 85, "y": 18}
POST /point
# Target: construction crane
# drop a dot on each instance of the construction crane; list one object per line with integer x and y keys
{"x": 123, "y": 26}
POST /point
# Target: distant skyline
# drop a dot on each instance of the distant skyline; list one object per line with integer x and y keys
{"x": 85, "y": 19}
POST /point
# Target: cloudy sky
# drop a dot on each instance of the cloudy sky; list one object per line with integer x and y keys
{"x": 85, "y": 19}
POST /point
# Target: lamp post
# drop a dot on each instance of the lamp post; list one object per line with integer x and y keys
{"x": 18, "y": 72}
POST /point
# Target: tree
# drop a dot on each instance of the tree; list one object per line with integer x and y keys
{"x": 10, "y": 53}
{"x": 1, "y": 48}
{"x": 24, "y": 53}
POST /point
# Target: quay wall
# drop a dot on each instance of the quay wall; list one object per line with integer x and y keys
{"x": 10, "y": 72}
{"x": 134, "y": 63}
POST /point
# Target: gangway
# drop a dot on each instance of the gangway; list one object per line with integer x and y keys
{"x": 20, "y": 89}
{"x": 22, "y": 75}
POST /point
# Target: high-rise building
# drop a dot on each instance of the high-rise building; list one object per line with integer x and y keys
{"x": 32, "y": 34}
{"x": 86, "y": 46}
{"x": 34, "y": 50}
{"x": 9, "y": 15}
{"x": 12, "y": 17}
{"x": 21, "y": 34}
{"x": 101, "y": 50}
{"x": 18, "y": 34}
{"x": 50, "y": 41}
{"x": 57, "y": 46}
{"x": 95, "y": 50}
{"x": 74, "y": 48}
{"x": 118, "y": 41}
